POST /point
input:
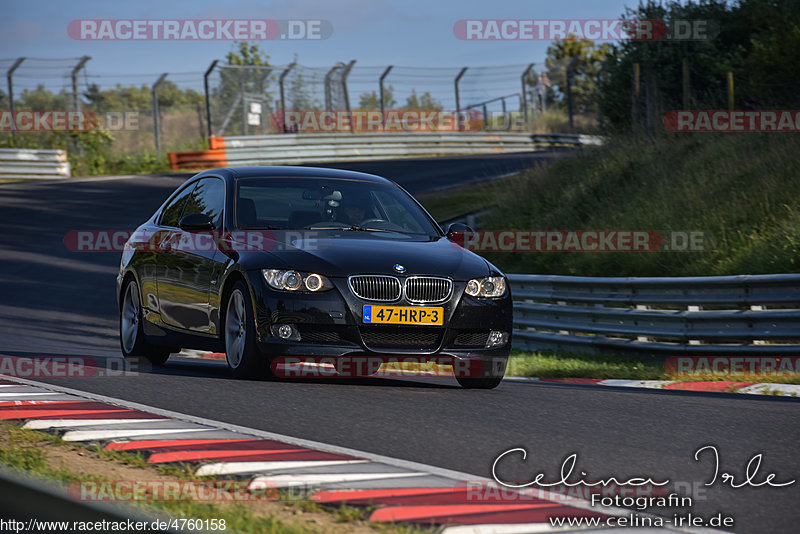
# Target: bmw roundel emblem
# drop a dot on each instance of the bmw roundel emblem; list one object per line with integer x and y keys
{"x": 399, "y": 268}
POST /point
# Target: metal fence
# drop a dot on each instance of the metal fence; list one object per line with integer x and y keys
{"x": 737, "y": 315}
{"x": 181, "y": 110}
{"x": 243, "y": 100}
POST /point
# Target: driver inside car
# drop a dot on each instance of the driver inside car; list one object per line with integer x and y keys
{"x": 352, "y": 209}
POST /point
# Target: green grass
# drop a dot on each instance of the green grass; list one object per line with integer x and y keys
{"x": 741, "y": 190}
{"x": 629, "y": 367}
{"x": 565, "y": 365}
{"x": 456, "y": 201}
{"x": 346, "y": 514}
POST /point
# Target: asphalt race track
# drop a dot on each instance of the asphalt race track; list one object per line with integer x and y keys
{"x": 61, "y": 303}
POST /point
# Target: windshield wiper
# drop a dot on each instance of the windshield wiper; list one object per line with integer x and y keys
{"x": 357, "y": 228}
{"x": 270, "y": 227}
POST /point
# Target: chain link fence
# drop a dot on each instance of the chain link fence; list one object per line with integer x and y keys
{"x": 159, "y": 112}
{"x": 250, "y": 100}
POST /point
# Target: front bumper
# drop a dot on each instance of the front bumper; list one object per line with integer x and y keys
{"x": 329, "y": 325}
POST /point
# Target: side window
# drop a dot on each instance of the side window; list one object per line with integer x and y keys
{"x": 209, "y": 198}
{"x": 172, "y": 213}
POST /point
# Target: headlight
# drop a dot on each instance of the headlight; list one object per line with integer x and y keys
{"x": 292, "y": 280}
{"x": 489, "y": 287}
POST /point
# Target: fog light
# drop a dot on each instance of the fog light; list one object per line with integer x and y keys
{"x": 285, "y": 331}
{"x": 496, "y": 339}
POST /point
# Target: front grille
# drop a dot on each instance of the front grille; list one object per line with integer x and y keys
{"x": 394, "y": 337}
{"x": 471, "y": 338}
{"x": 375, "y": 287}
{"x": 428, "y": 289}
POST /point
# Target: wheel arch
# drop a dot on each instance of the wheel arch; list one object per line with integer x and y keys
{"x": 129, "y": 275}
{"x": 234, "y": 276}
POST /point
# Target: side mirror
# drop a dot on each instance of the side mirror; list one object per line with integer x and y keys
{"x": 196, "y": 222}
{"x": 456, "y": 231}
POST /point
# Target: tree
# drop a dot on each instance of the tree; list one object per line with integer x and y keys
{"x": 298, "y": 95}
{"x": 43, "y": 99}
{"x": 370, "y": 99}
{"x": 170, "y": 95}
{"x": 236, "y": 84}
{"x": 246, "y": 54}
{"x": 583, "y": 60}
{"x": 425, "y": 102}
{"x": 757, "y": 40}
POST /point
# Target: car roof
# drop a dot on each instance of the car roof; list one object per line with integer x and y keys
{"x": 235, "y": 173}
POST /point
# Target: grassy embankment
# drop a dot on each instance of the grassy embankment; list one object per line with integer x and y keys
{"x": 742, "y": 191}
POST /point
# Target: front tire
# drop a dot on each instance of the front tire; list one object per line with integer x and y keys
{"x": 244, "y": 358}
{"x": 489, "y": 378}
{"x": 132, "y": 341}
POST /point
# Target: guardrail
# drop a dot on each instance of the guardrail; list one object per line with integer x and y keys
{"x": 741, "y": 315}
{"x": 292, "y": 149}
{"x": 30, "y": 163}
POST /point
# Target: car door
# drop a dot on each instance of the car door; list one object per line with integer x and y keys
{"x": 163, "y": 233}
{"x": 186, "y": 264}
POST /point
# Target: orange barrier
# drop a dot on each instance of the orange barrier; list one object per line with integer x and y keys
{"x": 198, "y": 159}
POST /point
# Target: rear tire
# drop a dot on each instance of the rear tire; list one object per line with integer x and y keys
{"x": 490, "y": 377}
{"x": 244, "y": 358}
{"x": 132, "y": 341}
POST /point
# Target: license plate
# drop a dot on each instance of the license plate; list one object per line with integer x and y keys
{"x": 403, "y": 315}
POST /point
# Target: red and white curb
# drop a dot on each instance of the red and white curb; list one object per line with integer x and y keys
{"x": 403, "y": 491}
{"x": 718, "y": 386}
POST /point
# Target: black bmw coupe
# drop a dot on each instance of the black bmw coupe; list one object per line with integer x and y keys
{"x": 270, "y": 263}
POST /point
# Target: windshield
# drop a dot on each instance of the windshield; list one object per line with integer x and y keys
{"x": 326, "y": 203}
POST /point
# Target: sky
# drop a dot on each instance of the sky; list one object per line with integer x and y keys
{"x": 376, "y": 33}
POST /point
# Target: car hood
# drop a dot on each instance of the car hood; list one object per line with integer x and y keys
{"x": 346, "y": 253}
